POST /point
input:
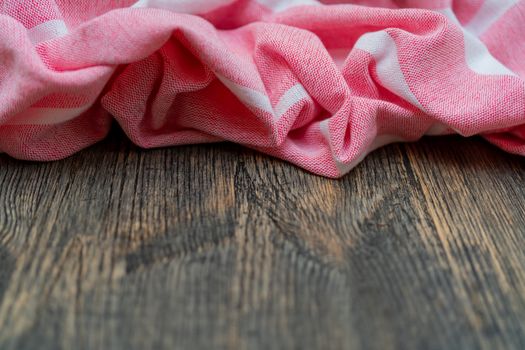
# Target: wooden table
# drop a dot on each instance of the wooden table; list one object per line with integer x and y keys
{"x": 422, "y": 246}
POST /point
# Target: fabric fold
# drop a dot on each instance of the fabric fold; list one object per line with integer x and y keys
{"x": 317, "y": 83}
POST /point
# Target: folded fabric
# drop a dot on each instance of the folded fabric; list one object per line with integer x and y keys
{"x": 317, "y": 83}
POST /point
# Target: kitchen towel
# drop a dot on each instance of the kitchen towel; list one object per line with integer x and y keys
{"x": 317, "y": 83}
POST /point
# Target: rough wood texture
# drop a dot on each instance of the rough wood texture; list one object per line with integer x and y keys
{"x": 216, "y": 246}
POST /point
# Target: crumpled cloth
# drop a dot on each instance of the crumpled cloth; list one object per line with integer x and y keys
{"x": 317, "y": 83}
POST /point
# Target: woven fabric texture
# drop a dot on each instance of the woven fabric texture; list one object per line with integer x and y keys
{"x": 317, "y": 83}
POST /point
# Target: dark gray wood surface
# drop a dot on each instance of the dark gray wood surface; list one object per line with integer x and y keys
{"x": 422, "y": 246}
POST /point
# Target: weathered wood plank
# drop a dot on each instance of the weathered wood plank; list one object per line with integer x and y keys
{"x": 216, "y": 246}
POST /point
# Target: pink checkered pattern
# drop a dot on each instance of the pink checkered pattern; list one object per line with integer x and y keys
{"x": 317, "y": 83}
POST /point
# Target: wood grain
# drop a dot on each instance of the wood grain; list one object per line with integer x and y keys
{"x": 219, "y": 247}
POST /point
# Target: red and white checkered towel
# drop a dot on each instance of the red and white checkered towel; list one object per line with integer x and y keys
{"x": 318, "y": 83}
